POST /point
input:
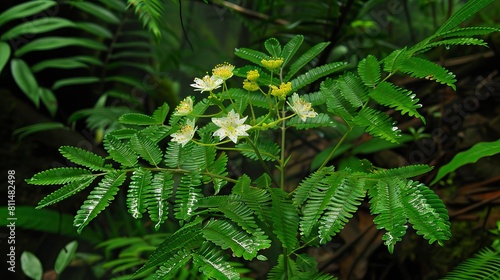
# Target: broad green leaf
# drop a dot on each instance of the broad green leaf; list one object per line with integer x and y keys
{"x": 470, "y": 8}
{"x": 273, "y": 46}
{"x": 25, "y": 10}
{"x": 4, "y": 58}
{"x": 25, "y": 79}
{"x": 476, "y": 152}
{"x": 50, "y": 43}
{"x": 37, "y": 26}
{"x": 31, "y": 265}
{"x": 48, "y": 99}
{"x": 97, "y": 11}
{"x": 74, "y": 81}
{"x": 291, "y": 48}
{"x": 99, "y": 198}
{"x": 65, "y": 192}
{"x": 65, "y": 257}
{"x": 369, "y": 71}
{"x": 62, "y": 175}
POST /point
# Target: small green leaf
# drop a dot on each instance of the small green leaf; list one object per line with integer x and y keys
{"x": 161, "y": 113}
{"x": 37, "y": 26}
{"x": 65, "y": 257}
{"x": 369, "y": 71}
{"x": 51, "y": 43}
{"x": 273, "y": 46}
{"x": 22, "y": 132}
{"x": 147, "y": 149}
{"x": 65, "y": 192}
{"x": 25, "y": 10}
{"x": 476, "y": 152}
{"x": 61, "y": 175}
{"x": 31, "y": 265}
{"x": 251, "y": 55}
{"x": 119, "y": 151}
{"x": 304, "y": 59}
{"x": 291, "y": 48}
{"x": 5, "y": 51}
{"x": 97, "y": 11}
{"x": 25, "y": 79}
{"x": 83, "y": 157}
{"x": 95, "y": 29}
{"x": 74, "y": 81}
{"x": 48, "y": 99}
{"x": 59, "y": 63}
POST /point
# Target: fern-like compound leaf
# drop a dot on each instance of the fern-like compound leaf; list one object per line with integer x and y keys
{"x": 187, "y": 196}
{"x": 188, "y": 237}
{"x": 352, "y": 89}
{"x": 451, "y": 42}
{"x": 160, "y": 191}
{"x": 395, "y": 97}
{"x": 170, "y": 267}
{"x": 137, "y": 119}
{"x": 342, "y": 202}
{"x": 280, "y": 272}
{"x": 138, "y": 192}
{"x": 386, "y": 203}
{"x": 285, "y": 218}
{"x": 465, "y": 32}
{"x": 306, "y": 187}
{"x": 226, "y": 234}
{"x": 59, "y": 176}
{"x": 259, "y": 200}
{"x": 291, "y": 48}
{"x": 394, "y": 60}
{"x": 150, "y": 12}
{"x": 467, "y": 10}
{"x": 378, "y": 124}
{"x": 267, "y": 148}
{"x": 160, "y": 114}
{"x": 426, "y": 212}
{"x": 65, "y": 192}
{"x": 406, "y": 172}
{"x": 336, "y": 103}
{"x": 317, "y": 73}
{"x": 218, "y": 169}
{"x": 304, "y": 59}
{"x": 422, "y": 68}
{"x": 146, "y": 149}
{"x": 256, "y": 99}
{"x": 369, "y": 71}
{"x": 321, "y": 120}
{"x": 239, "y": 213}
{"x": 120, "y": 151}
{"x": 212, "y": 262}
{"x": 84, "y": 158}
{"x": 99, "y": 198}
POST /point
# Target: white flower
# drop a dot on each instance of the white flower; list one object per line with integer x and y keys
{"x": 185, "y": 107}
{"x": 231, "y": 126}
{"x": 208, "y": 83}
{"x": 302, "y": 108}
{"x": 185, "y": 134}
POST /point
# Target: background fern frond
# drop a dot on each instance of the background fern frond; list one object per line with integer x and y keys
{"x": 395, "y": 97}
{"x": 150, "y": 13}
{"x": 99, "y": 198}
{"x": 483, "y": 265}
{"x": 378, "y": 124}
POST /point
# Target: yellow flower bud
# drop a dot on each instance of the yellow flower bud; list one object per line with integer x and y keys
{"x": 250, "y": 85}
{"x": 253, "y": 75}
{"x": 282, "y": 91}
{"x": 272, "y": 63}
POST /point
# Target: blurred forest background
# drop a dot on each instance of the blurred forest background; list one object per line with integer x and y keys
{"x": 114, "y": 65}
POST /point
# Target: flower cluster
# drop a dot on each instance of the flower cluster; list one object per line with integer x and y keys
{"x": 250, "y": 83}
{"x": 282, "y": 90}
{"x": 273, "y": 63}
{"x": 223, "y": 71}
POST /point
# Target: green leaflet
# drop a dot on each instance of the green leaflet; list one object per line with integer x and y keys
{"x": 36, "y": 26}
{"x": 304, "y": 59}
{"x": 466, "y": 11}
{"x": 386, "y": 204}
{"x": 119, "y": 151}
{"x": 406, "y": 172}
{"x": 285, "y": 218}
{"x": 291, "y": 48}
{"x": 99, "y": 198}
{"x": 239, "y": 213}
{"x": 268, "y": 150}
{"x": 138, "y": 192}
{"x": 259, "y": 200}
{"x": 25, "y": 10}
{"x": 50, "y": 43}
{"x": 476, "y": 152}
{"x": 336, "y": 103}
{"x": 317, "y": 73}
{"x": 137, "y": 119}
{"x": 378, "y": 124}
{"x": 97, "y": 11}
{"x": 483, "y": 265}
{"x": 74, "y": 81}
{"x": 84, "y": 158}
{"x": 25, "y": 79}
{"x": 395, "y": 97}
{"x": 352, "y": 89}
{"x": 170, "y": 267}
{"x": 65, "y": 192}
{"x": 150, "y": 13}
{"x": 5, "y": 50}
{"x": 321, "y": 120}
{"x": 58, "y": 176}
{"x": 187, "y": 195}
{"x": 369, "y": 71}
{"x": 251, "y": 55}
{"x": 226, "y": 234}
{"x": 422, "y": 68}
{"x": 273, "y": 46}
{"x": 160, "y": 191}
{"x": 212, "y": 262}
{"x": 146, "y": 149}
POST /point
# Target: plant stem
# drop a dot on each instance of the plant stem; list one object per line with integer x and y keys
{"x": 282, "y": 157}
{"x": 335, "y": 149}
{"x": 257, "y": 152}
